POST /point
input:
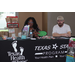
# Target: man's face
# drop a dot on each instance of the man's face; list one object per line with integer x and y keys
{"x": 60, "y": 22}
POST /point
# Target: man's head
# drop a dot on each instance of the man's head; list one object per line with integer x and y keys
{"x": 60, "y": 20}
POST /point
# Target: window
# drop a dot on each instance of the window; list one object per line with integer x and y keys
{"x": 3, "y": 15}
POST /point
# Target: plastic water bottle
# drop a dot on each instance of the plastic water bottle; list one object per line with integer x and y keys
{"x": 23, "y": 35}
{"x": 31, "y": 34}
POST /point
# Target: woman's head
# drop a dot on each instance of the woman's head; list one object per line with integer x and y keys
{"x": 32, "y": 22}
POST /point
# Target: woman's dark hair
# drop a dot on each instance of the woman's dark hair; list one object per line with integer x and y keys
{"x": 35, "y": 26}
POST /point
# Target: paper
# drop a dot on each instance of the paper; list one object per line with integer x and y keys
{"x": 19, "y": 34}
{"x": 12, "y": 30}
{"x": 13, "y": 35}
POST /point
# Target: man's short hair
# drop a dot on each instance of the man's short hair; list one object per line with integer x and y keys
{"x": 60, "y": 18}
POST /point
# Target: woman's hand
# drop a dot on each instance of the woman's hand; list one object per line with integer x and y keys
{"x": 35, "y": 33}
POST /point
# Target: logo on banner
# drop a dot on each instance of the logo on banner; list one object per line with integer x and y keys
{"x": 16, "y": 56}
{"x": 56, "y": 51}
{"x": 55, "y": 46}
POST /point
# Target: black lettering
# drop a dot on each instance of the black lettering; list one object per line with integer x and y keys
{"x": 61, "y": 46}
{"x": 62, "y": 52}
{"x": 45, "y": 47}
{"x": 36, "y": 48}
{"x": 49, "y": 47}
{"x": 53, "y": 52}
{"x": 58, "y": 52}
{"x": 42, "y": 47}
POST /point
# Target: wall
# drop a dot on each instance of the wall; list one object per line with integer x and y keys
{"x": 69, "y": 19}
{"x": 24, "y": 15}
{"x": 44, "y": 21}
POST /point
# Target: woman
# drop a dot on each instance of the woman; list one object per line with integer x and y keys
{"x": 33, "y": 26}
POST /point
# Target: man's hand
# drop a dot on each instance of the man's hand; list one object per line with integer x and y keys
{"x": 66, "y": 35}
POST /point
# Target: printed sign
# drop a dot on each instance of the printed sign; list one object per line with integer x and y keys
{"x": 50, "y": 51}
{"x": 12, "y": 30}
{"x": 33, "y": 50}
{"x": 16, "y": 56}
{"x": 12, "y": 25}
{"x": 12, "y": 21}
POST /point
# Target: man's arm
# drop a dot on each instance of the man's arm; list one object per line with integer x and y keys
{"x": 68, "y": 34}
{"x": 57, "y": 35}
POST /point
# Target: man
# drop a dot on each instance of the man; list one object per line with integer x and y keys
{"x": 61, "y": 29}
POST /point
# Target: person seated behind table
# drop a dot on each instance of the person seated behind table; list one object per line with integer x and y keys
{"x": 33, "y": 26}
{"x": 61, "y": 29}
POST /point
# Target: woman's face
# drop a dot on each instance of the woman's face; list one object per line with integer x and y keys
{"x": 30, "y": 22}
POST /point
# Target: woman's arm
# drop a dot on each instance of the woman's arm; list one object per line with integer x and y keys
{"x": 35, "y": 33}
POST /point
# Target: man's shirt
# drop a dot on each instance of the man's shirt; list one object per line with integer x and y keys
{"x": 61, "y": 30}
